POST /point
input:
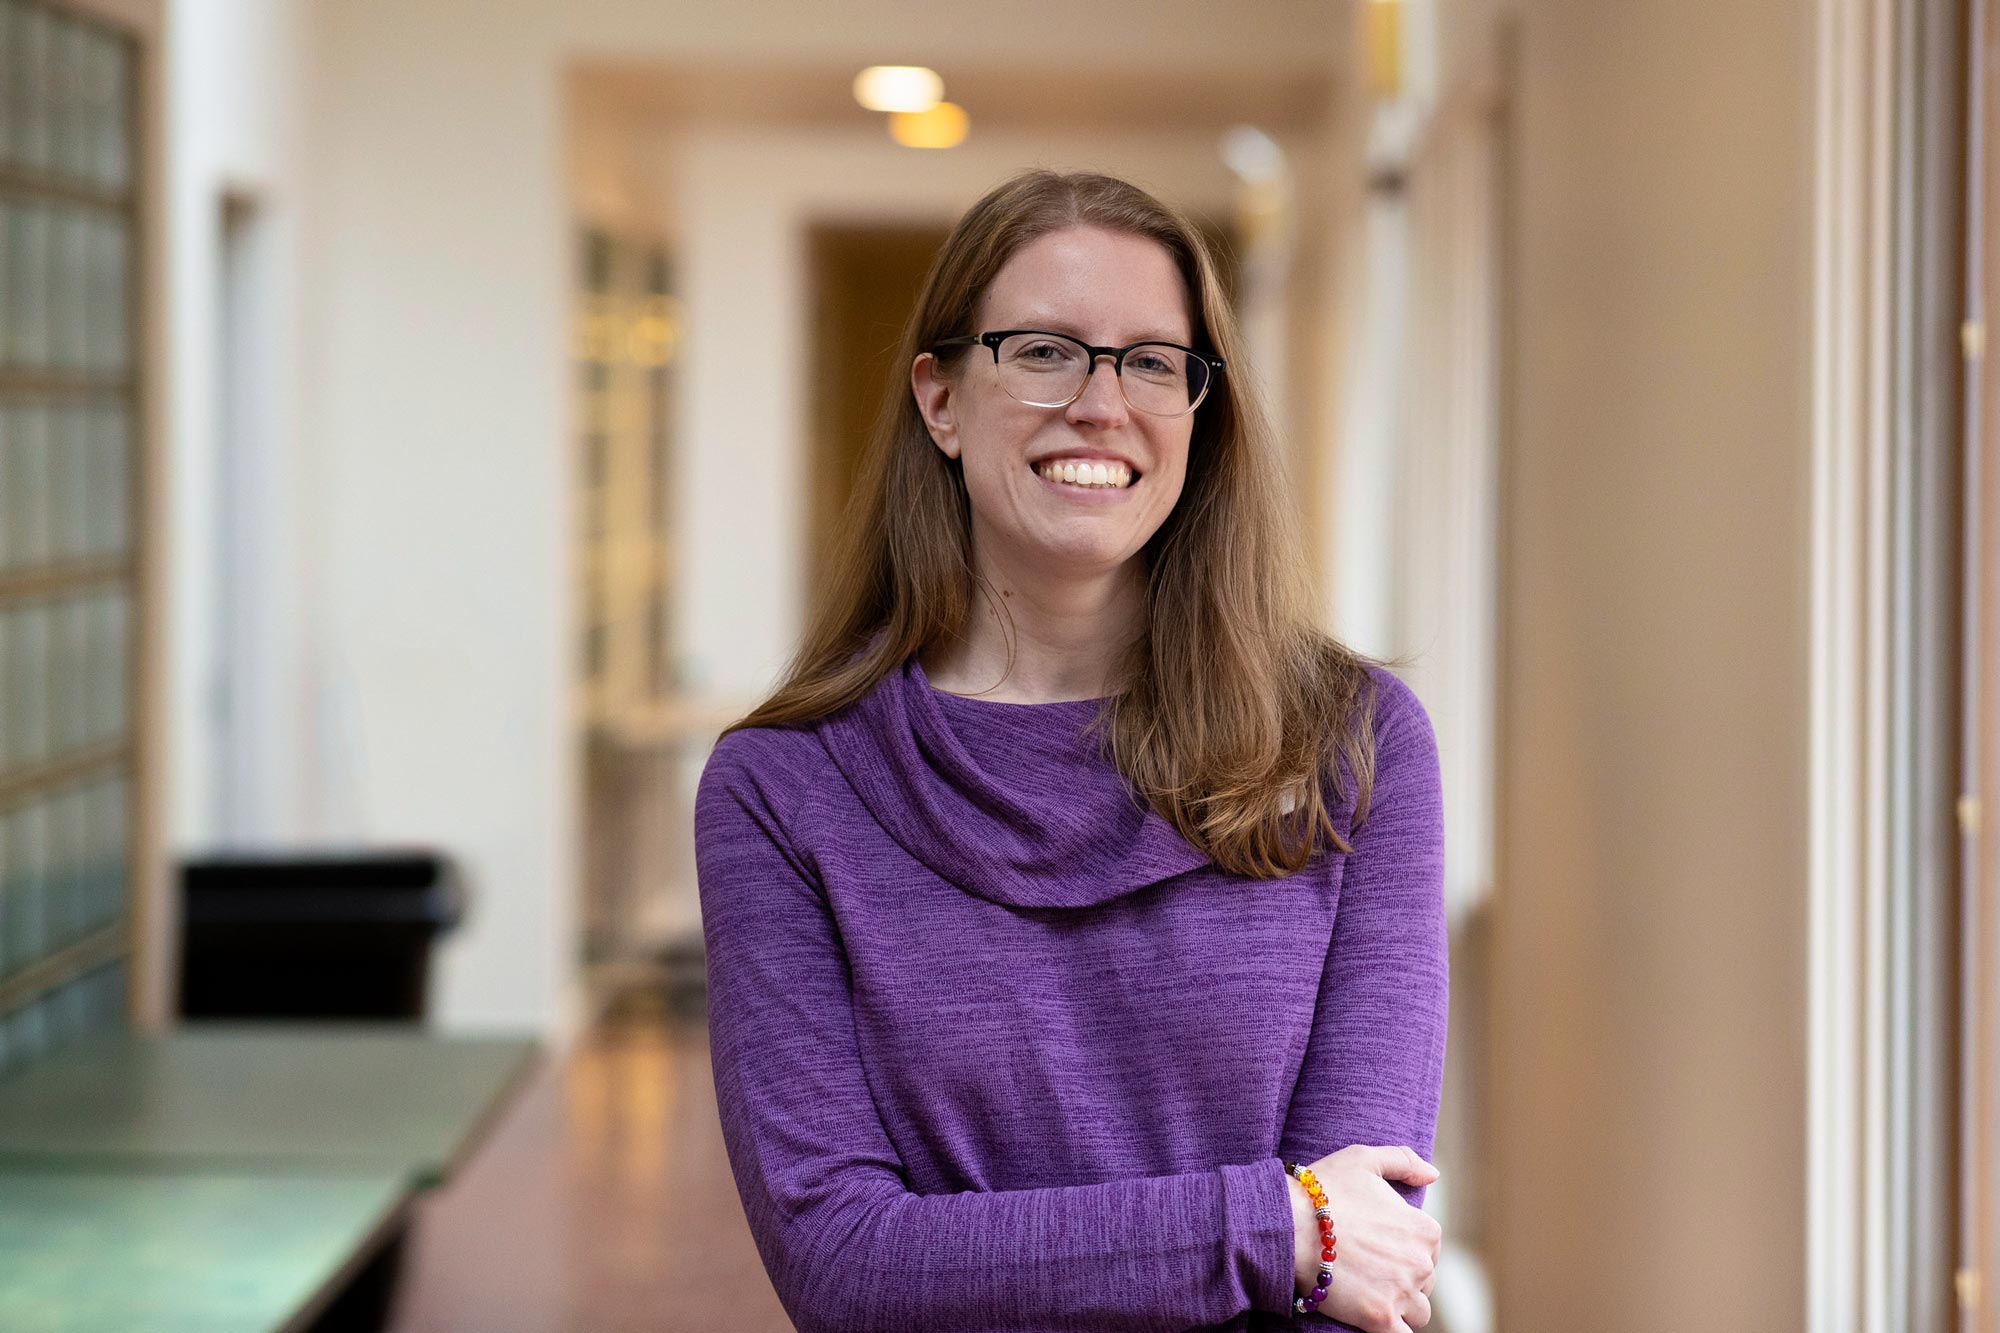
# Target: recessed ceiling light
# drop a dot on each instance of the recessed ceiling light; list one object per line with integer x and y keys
{"x": 943, "y": 126}
{"x": 1252, "y": 154}
{"x": 898, "y": 88}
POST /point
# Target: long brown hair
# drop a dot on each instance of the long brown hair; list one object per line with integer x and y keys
{"x": 1232, "y": 701}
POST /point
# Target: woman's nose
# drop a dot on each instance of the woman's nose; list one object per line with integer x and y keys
{"x": 1103, "y": 397}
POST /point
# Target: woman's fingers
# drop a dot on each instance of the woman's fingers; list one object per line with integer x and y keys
{"x": 1400, "y": 1163}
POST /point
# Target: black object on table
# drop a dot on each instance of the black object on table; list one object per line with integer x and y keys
{"x": 335, "y": 935}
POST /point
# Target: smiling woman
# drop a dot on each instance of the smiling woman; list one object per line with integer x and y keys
{"x": 1047, "y": 399}
{"x": 1027, "y": 1005}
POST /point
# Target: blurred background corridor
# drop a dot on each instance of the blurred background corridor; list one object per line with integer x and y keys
{"x": 421, "y": 426}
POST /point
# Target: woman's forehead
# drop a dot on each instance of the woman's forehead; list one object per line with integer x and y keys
{"x": 1093, "y": 313}
{"x": 1094, "y": 285}
{"x": 1092, "y": 327}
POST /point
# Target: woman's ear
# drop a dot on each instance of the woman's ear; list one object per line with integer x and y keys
{"x": 933, "y": 394}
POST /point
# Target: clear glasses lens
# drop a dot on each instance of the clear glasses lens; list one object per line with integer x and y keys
{"x": 1047, "y": 371}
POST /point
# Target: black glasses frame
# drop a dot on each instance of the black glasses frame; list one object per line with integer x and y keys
{"x": 992, "y": 339}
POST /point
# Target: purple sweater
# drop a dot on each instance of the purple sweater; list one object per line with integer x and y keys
{"x": 996, "y": 1048}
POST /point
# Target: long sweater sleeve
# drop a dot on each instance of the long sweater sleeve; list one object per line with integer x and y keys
{"x": 1374, "y": 1066}
{"x": 847, "y": 1245}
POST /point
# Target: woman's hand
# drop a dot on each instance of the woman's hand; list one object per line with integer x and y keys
{"x": 1385, "y": 1251}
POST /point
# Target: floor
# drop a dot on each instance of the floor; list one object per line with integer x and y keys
{"x": 601, "y": 1202}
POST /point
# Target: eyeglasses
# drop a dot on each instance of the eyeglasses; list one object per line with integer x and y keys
{"x": 1044, "y": 369}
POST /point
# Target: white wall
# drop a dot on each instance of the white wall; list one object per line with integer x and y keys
{"x": 1363, "y": 477}
{"x": 232, "y": 106}
{"x": 437, "y": 300}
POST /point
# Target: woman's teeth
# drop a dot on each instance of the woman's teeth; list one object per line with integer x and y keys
{"x": 1112, "y": 475}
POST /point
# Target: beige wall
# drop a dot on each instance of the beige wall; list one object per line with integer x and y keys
{"x": 1649, "y": 1001}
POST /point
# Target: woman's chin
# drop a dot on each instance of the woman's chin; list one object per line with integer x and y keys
{"x": 1080, "y": 558}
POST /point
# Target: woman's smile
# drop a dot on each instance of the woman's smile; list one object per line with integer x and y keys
{"x": 1086, "y": 480}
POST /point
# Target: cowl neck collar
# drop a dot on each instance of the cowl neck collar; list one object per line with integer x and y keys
{"x": 1048, "y": 821}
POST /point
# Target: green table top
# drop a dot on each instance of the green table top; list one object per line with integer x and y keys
{"x": 108, "y": 1252}
{"x": 258, "y": 1097}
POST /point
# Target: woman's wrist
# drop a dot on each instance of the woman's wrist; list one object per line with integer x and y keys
{"x": 1314, "y": 1269}
{"x": 1305, "y": 1237}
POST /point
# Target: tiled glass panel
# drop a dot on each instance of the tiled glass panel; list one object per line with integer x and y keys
{"x": 68, "y": 497}
{"x": 90, "y": 1003}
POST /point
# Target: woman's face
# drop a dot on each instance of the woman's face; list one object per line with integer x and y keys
{"x": 1108, "y": 288}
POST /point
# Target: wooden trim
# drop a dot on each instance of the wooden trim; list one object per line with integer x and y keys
{"x": 151, "y": 909}
{"x": 141, "y": 19}
{"x": 22, "y": 585}
{"x": 66, "y": 964}
{"x": 18, "y": 180}
{"x": 22, "y": 783}
{"x": 60, "y": 385}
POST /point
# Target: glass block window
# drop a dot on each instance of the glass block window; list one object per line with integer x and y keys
{"x": 69, "y": 482}
{"x": 628, "y": 329}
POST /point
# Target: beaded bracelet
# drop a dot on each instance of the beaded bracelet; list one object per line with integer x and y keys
{"x": 1324, "y": 1212}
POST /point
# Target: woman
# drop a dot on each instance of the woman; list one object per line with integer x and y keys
{"x": 1045, "y": 928}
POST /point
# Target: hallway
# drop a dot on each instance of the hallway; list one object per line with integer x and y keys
{"x": 427, "y": 425}
{"x": 602, "y": 1201}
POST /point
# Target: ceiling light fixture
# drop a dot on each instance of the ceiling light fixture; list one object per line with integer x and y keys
{"x": 898, "y": 88}
{"x": 1253, "y": 155}
{"x": 943, "y": 126}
